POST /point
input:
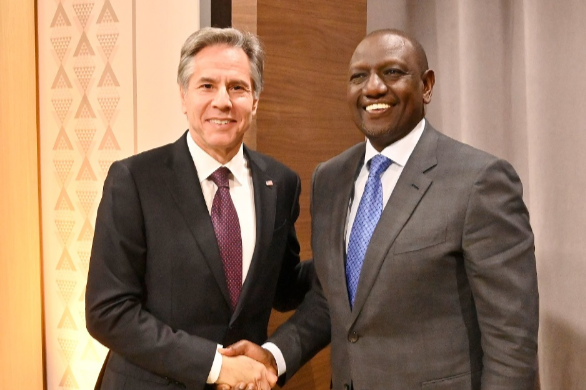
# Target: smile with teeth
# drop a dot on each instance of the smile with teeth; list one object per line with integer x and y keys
{"x": 220, "y": 121}
{"x": 377, "y": 107}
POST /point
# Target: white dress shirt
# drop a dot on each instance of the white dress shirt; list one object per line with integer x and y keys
{"x": 242, "y": 193}
{"x": 399, "y": 153}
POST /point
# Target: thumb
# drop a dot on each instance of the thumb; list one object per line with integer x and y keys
{"x": 236, "y": 349}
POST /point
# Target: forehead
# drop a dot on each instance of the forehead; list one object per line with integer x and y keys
{"x": 221, "y": 59}
{"x": 380, "y": 49}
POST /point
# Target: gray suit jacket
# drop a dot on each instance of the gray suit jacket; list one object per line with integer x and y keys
{"x": 447, "y": 297}
{"x": 156, "y": 292}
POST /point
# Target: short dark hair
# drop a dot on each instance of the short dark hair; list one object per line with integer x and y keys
{"x": 419, "y": 50}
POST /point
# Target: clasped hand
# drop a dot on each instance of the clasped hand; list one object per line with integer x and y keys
{"x": 246, "y": 366}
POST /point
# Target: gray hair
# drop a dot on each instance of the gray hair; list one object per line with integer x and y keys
{"x": 210, "y": 36}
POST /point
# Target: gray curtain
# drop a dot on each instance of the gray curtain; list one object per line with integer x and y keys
{"x": 510, "y": 79}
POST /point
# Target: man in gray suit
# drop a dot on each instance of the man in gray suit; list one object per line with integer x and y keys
{"x": 422, "y": 247}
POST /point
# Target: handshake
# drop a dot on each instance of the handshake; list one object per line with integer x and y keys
{"x": 246, "y": 366}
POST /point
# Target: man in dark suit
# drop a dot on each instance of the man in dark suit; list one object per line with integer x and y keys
{"x": 422, "y": 247}
{"x": 195, "y": 241}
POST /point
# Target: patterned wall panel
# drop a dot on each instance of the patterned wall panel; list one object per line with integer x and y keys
{"x": 87, "y": 107}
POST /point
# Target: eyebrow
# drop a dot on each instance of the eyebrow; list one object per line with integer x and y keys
{"x": 206, "y": 79}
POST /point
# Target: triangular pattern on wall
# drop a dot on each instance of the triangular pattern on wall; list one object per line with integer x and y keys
{"x": 86, "y": 199}
{"x": 68, "y": 347}
{"x": 86, "y": 173}
{"x": 60, "y": 19}
{"x": 84, "y": 47}
{"x": 64, "y": 228}
{"x": 85, "y": 138}
{"x": 84, "y": 75}
{"x": 60, "y": 45}
{"x": 109, "y": 141}
{"x": 67, "y": 321}
{"x": 61, "y": 107}
{"x": 63, "y": 202}
{"x": 90, "y": 352}
{"x": 61, "y": 79}
{"x": 107, "y": 42}
{"x": 107, "y": 14}
{"x": 65, "y": 262}
{"x": 66, "y": 288}
{"x": 105, "y": 165}
{"x": 68, "y": 381}
{"x": 108, "y": 78}
{"x": 82, "y": 299}
{"x": 84, "y": 257}
{"x": 62, "y": 142}
{"x": 108, "y": 105}
{"x": 87, "y": 232}
{"x": 63, "y": 169}
{"x": 85, "y": 109}
{"x": 83, "y": 12}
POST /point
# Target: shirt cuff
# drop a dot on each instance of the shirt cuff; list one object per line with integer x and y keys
{"x": 278, "y": 355}
{"x": 216, "y": 367}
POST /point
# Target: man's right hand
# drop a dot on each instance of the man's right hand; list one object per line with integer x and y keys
{"x": 238, "y": 369}
{"x": 253, "y": 351}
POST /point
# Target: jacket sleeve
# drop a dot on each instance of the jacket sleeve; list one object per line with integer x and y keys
{"x": 498, "y": 247}
{"x": 115, "y": 292}
{"x": 308, "y": 331}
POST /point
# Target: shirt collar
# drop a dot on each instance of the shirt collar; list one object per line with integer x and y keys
{"x": 205, "y": 164}
{"x": 400, "y": 151}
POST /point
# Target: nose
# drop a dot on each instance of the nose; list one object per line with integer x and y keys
{"x": 222, "y": 99}
{"x": 374, "y": 86}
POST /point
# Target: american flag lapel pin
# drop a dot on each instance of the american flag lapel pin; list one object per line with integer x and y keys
{"x": 269, "y": 183}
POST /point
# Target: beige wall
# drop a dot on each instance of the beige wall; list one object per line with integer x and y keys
{"x": 107, "y": 90}
{"x": 20, "y": 264}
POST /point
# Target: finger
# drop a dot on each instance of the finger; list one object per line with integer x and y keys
{"x": 272, "y": 378}
{"x": 240, "y": 386}
{"x": 238, "y": 348}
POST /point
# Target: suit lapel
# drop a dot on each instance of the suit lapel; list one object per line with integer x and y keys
{"x": 342, "y": 193}
{"x": 410, "y": 188}
{"x": 265, "y": 202}
{"x": 181, "y": 177}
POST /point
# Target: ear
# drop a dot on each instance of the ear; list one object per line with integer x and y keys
{"x": 428, "y": 80}
{"x": 254, "y": 105}
{"x": 182, "y": 94}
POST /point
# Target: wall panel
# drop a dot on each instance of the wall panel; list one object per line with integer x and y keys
{"x": 21, "y": 343}
{"x": 107, "y": 90}
{"x": 303, "y": 118}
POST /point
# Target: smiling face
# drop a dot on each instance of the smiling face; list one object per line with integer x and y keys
{"x": 219, "y": 102}
{"x": 387, "y": 87}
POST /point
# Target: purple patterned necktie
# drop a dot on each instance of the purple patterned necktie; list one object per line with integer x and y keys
{"x": 227, "y": 229}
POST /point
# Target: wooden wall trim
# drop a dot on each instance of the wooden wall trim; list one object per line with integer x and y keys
{"x": 21, "y": 329}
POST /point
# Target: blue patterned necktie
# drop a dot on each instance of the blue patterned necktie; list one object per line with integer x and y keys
{"x": 227, "y": 229}
{"x": 367, "y": 216}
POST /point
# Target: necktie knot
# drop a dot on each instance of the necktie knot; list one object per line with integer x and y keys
{"x": 378, "y": 164}
{"x": 220, "y": 177}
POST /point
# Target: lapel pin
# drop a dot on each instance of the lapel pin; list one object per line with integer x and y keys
{"x": 269, "y": 183}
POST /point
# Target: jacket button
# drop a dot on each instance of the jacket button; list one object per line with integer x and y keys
{"x": 353, "y": 337}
